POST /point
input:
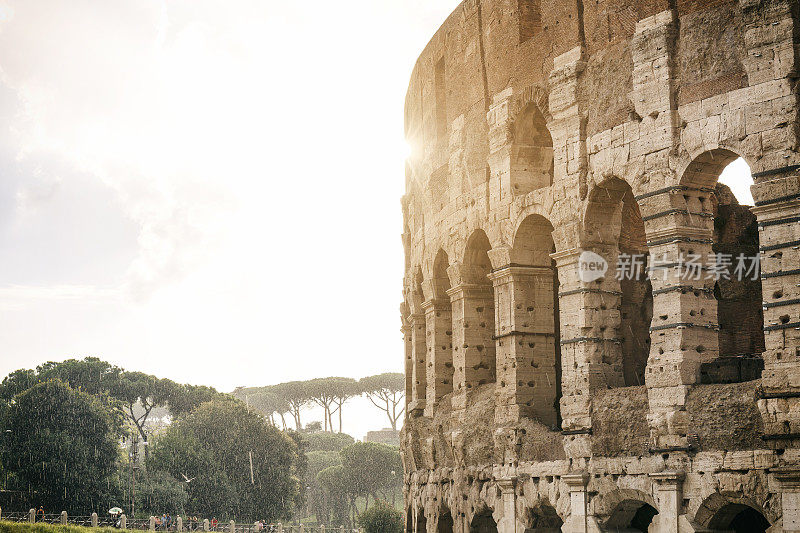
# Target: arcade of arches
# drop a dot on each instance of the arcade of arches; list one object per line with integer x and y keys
{"x": 599, "y": 334}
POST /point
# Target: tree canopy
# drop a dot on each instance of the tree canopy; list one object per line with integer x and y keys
{"x": 213, "y": 447}
{"x": 62, "y": 447}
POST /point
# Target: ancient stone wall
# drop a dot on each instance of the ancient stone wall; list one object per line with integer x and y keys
{"x": 541, "y": 398}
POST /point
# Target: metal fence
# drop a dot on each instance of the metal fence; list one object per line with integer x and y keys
{"x": 176, "y": 525}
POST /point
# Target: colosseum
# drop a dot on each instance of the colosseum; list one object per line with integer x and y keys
{"x": 591, "y": 343}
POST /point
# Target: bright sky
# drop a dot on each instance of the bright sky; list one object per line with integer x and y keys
{"x": 206, "y": 190}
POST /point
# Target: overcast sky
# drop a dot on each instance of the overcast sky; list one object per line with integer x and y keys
{"x": 206, "y": 191}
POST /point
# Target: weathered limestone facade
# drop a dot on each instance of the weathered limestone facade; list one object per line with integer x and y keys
{"x": 538, "y": 401}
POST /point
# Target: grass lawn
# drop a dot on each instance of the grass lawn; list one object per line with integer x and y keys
{"x": 22, "y": 527}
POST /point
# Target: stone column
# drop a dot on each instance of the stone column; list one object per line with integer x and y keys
{"x": 94, "y": 519}
{"x": 439, "y": 340}
{"x": 684, "y": 331}
{"x": 589, "y": 318}
{"x": 152, "y": 525}
{"x": 788, "y": 480}
{"x": 32, "y": 516}
{"x": 123, "y": 522}
{"x": 418, "y": 371}
{"x": 578, "y": 520}
{"x": 473, "y": 343}
{"x": 179, "y": 523}
{"x": 409, "y": 352}
{"x": 527, "y": 378}
{"x": 669, "y": 498}
{"x": 64, "y": 518}
{"x": 508, "y": 524}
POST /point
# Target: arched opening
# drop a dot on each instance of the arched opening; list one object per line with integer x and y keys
{"x": 483, "y": 523}
{"x": 614, "y": 229}
{"x": 438, "y": 318}
{"x": 528, "y": 344}
{"x": 738, "y": 518}
{"x": 630, "y": 516}
{"x": 543, "y": 519}
{"x": 473, "y": 320}
{"x": 532, "y": 152}
{"x": 735, "y": 280}
{"x": 422, "y": 522}
{"x": 445, "y": 523}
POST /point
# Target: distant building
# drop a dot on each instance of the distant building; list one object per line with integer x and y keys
{"x": 385, "y": 436}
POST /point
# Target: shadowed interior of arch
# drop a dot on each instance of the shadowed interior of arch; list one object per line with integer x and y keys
{"x": 483, "y": 523}
{"x": 615, "y": 230}
{"x": 738, "y": 518}
{"x": 445, "y": 523}
{"x": 630, "y": 516}
{"x": 542, "y": 519}
{"x": 532, "y": 152}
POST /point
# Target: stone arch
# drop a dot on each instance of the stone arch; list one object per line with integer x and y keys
{"x": 625, "y": 510}
{"x": 685, "y": 330}
{"x": 483, "y": 521}
{"x": 472, "y": 300}
{"x": 542, "y": 518}
{"x": 532, "y": 162}
{"x": 439, "y": 333}
{"x": 528, "y": 347}
{"x": 731, "y": 513}
{"x": 614, "y": 229}
{"x": 734, "y": 231}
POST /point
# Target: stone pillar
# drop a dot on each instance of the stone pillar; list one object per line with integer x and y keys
{"x": 669, "y": 498}
{"x": 94, "y": 519}
{"x": 473, "y": 342}
{"x": 280, "y": 527}
{"x": 409, "y": 353}
{"x": 63, "y": 518}
{"x": 179, "y": 524}
{"x": 439, "y": 340}
{"x": 578, "y": 520}
{"x": 418, "y": 355}
{"x": 153, "y": 523}
{"x": 788, "y": 481}
{"x": 205, "y": 524}
{"x": 508, "y": 524}
{"x": 684, "y": 332}
{"x": 232, "y": 526}
{"x": 32, "y": 516}
{"x": 589, "y": 318}
{"x": 527, "y": 379}
{"x": 123, "y": 522}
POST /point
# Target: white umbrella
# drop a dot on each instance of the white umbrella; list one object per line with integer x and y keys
{"x": 114, "y": 510}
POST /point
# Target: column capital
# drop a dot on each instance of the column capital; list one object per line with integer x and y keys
{"x": 669, "y": 479}
{"x": 507, "y": 485}
{"x": 566, "y": 257}
{"x": 576, "y": 481}
{"x": 436, "y": 303}
{"x": 788, "y": 477}
{"x": 512, "y": 271}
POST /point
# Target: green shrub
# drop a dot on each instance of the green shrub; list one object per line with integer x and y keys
{"x": 381, "y": 518}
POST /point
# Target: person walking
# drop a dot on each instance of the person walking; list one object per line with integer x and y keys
{"x": 40, "y": 514}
